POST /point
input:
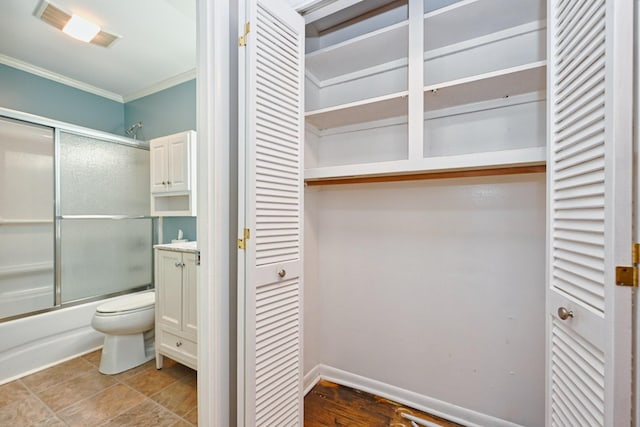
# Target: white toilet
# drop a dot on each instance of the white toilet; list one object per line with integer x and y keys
{"x": 128, "y": 325}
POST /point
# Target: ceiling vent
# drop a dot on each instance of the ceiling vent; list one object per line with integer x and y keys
{"x": 56, "y": 17}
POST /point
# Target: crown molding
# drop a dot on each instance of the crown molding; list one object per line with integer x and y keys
{"x": 162, "y": 85}
{"x": 59, "y": 78}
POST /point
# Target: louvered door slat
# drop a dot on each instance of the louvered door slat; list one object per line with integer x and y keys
{"x": 587, "y": 32}
{"x": 582, "y": 400}
{"x": 589, "y": 211}
{"x": 589, "y": 13}
{"x": 273, "y": 206}
{"x": 589, "y": 79}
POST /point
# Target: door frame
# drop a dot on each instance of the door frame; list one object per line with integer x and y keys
{"x": 217, "y": 209}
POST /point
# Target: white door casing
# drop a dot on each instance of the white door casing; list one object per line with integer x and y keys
{"x": 271, "y": 208}
{"x": 589, "y": 173}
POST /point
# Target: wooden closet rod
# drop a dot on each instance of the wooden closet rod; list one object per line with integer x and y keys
{"x": 434, "y": 175}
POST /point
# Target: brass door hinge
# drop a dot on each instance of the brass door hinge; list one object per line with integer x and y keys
{"x": 242, "y": 242}
{"x": 242, "y": 40}
{"x": 627, "y": 275}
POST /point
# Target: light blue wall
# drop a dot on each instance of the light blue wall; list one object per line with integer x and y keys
{"x": 171, "y": 225}
{"x": 164, "y": 113}
{"x": 29, "y": 93}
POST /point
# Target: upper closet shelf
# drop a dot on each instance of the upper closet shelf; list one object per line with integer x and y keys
{"x": 376, "y": 48}
{"x": 498, "y": 84}
{"x": 476, "y": 18}
{"x": 368, "y": 110}
{"x": 474, "y": 161}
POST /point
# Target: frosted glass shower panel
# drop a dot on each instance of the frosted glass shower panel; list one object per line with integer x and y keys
{"x": 102, "y": 178}
{"x": 26, "y": 217}
{"x": 104, "y": 256}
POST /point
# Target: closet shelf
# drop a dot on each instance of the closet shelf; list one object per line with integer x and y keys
{"x": 368, "y": 110}
{"x": 497, "y": 84}
{"x": 476, "y": 18}
{"x": 473, "y": 161}
{"x": 369, "y": 50}
{"x": 483, "y": 87}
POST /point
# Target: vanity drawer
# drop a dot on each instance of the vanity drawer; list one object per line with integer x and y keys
{"x": 182, "y": 349}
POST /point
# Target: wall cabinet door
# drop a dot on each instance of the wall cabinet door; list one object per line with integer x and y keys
{"x": 159, "y": 162}
{"x": 171, "y": 163}
{"x": 178, "y": 162}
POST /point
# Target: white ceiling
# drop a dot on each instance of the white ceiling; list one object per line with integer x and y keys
{"x": 157, "y": 48}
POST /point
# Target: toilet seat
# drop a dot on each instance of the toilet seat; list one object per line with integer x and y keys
{"x": 129, "y": 304}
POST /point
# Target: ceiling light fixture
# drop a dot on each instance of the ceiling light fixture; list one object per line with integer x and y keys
{"x": 81, "y": 29}
{"x": 61, "y": 19}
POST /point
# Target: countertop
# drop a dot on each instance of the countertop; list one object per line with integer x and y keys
{"x": 179, "y": 247}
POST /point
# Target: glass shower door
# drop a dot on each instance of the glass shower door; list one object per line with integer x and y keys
{"x": 104, "y": 224}
{"x": 26, "y": 217}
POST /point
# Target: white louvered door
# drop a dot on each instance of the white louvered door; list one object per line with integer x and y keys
{"x": 589, "y": 204}
{"x": 270, "y": 302}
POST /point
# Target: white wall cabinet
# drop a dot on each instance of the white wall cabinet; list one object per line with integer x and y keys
{"x": 176, "y": 307}
{"x": 173, "y": 174}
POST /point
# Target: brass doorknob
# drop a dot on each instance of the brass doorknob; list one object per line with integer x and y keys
{"x": 564, "y": 314}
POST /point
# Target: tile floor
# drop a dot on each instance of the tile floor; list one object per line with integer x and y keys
{"x": 74, "y": 393}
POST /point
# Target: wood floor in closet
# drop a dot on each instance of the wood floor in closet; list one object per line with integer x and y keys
{"x": 330, "y": 404}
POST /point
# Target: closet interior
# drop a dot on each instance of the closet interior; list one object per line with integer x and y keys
{"x": 430, "y": 288}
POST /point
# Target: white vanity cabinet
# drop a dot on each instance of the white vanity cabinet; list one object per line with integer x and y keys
{"x": 173, "y": 174}
{"x": 176, "y": 303}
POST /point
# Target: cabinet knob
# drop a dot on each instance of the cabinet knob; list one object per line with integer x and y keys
{"x": 168, "y": 182}
{"x": 282, "y": 272}
{"x": 179, "y": 343}
{"x": 564, "y": 314}
{"x": 164, "y": 183}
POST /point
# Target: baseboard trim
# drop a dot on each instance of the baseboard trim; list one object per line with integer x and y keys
{"x": 311, "y": 379}
{"x": 414, "y": 400}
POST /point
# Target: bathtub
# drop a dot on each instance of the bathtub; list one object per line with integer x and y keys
{"x": 37, "y": 342}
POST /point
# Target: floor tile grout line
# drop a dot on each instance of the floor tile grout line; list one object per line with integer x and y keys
{"x": 149, "y": 395}
{"x": 161, "y": 390}
{"x": 125, "y": 410}
{"x": 185, "y": 420}
{"x": 34, "y": 395}
{"x": 81, "y": 400}
{"x": 108, "y": 420}
{"x": 151, "y": 398}
{"x": 85, "y": 399}
{"x": 78, "y": 375}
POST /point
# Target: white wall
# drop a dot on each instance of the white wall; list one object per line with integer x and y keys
{"x": 436, "y": 287}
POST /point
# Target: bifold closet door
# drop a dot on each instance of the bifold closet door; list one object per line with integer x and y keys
{"x": 270, "y": 241}
{"x": 589, "y": 203}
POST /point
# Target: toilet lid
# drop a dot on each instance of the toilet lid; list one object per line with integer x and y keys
{"x": 128, "y": 303}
